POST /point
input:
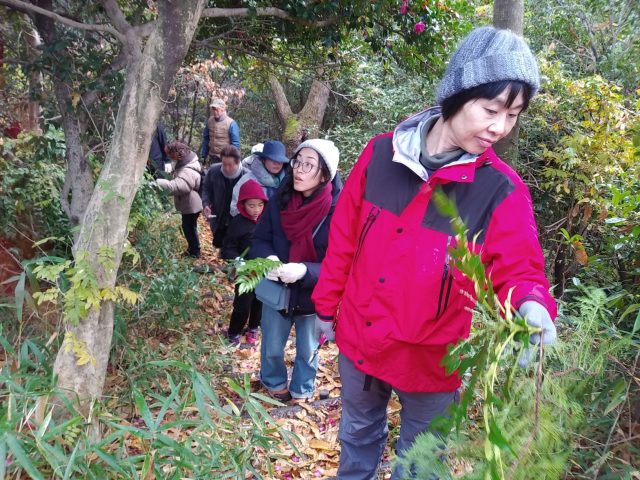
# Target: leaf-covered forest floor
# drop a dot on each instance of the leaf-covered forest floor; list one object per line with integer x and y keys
{"x": 314, "y": 423}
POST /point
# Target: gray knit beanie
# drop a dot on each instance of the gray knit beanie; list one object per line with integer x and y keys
{"x": 489, "y": 55}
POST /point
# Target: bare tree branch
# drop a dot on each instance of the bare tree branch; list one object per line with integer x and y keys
{"x": 115, "y": 14}
{"x": 266, "y": 12}
{"x": 133, "y": 40}
{"x": 282, "y": 104}
{"x": 24, "y": 6}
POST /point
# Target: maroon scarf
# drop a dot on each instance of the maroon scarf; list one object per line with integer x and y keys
{"x": 299, "y": 221}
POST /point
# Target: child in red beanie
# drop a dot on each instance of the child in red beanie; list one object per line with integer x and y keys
{"x": 251, "y": 203}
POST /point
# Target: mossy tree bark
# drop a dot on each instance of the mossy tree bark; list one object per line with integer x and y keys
{"x": 305, "y": 124}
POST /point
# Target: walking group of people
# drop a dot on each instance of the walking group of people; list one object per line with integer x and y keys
{"x": 369, "y": 264}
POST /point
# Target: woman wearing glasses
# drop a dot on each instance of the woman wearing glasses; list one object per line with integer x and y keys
{"x": 295, "y": 231}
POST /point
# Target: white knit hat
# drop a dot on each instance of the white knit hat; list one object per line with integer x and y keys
{"x": 326, "y": 149}
{"x": 257, "y": 148}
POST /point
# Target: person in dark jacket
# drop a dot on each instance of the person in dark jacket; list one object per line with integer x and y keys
{"x": 388, "y": 285}
{"x": 237, "y": 242}
{"x": 295, "y": 230}
{"x": 184, "y": 187}
{"x": 218, "y": 187}
{"x": 159, "y": 164}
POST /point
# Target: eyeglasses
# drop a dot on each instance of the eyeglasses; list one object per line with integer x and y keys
{"x": 306, "y": 167}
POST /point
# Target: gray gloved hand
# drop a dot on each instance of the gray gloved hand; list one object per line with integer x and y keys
{"x": 324, "y": 328}
{"x": 536, "y": 315}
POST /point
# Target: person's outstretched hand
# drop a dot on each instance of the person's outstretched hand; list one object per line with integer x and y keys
{"x": 536, "y": 316}
{"x": 162, "y": 183}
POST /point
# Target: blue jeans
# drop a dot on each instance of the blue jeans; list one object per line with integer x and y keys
{"x": 275, "y": 333}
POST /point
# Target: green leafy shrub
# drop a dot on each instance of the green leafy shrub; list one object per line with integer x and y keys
{"x": 579, "y": 157}
{"x": 33, "y": 171}
{"x": 529, "y": 425}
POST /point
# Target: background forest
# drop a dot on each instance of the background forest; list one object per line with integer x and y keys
{"x": 110, "y": 362}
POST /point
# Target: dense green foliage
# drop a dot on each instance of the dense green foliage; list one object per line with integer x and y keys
{"x": 32, "y": 177}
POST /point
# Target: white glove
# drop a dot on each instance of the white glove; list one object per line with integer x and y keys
{"x": 536, "y": 316}
{"x": 324, "y": 328}
{"x": 162, "y": 183}
{"x": 292, "y": 272}
{"x": 273, "y": 273}
{"x": 168, "y": 168}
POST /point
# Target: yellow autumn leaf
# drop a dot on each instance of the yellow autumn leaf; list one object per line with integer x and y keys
{"x": 84, "y": 359}
{"x": 318, "y": 444}
{"x": 127, "y": 295}
{"x": 75, "y": 99}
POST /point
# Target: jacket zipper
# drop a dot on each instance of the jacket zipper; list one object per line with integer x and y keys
{"x": 446, "y": 282}
{"x": 371, "y": 218}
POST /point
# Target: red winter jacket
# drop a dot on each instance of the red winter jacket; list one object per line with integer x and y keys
{"x": 387, "y": 270}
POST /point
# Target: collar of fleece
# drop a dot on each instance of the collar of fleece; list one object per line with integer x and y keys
{"x": 250, "y": 190}
{"x": 407, "y": 143}
{"x": 234, "y": 175}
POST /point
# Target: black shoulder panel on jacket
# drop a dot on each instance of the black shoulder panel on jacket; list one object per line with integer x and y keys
{"x": 389, "y": 185}
{"x": 475, "y": 201}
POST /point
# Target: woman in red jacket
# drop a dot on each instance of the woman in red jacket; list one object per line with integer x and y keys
{"x": 388, "y": 267}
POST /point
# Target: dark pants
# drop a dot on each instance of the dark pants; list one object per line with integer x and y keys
{"x": 218, "y": 235}
{"x": 363, "y": 423}
{"x": 190, "y": 230}
{"x": 245, "y": 306}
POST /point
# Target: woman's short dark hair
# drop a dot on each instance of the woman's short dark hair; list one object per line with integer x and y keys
{"x": 286, "y": 191}
{"x": 453, "y": 104}
{"x": 230, "y": 151}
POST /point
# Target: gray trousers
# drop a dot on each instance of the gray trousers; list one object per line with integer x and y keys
{"x": 363, "y": 424}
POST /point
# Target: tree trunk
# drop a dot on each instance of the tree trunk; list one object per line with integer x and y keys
{"x": 31, "y": 115}
{"x": 297, "y": 127}
{"x": 149, "y": 74}
{"x": 78, "y": 180}
{"x": 509, "y": 15}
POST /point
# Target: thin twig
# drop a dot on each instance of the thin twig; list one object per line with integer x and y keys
{"x": 24, "y": 6}
{"x": 613, "y": 427}
{"x": 15, "y": 259}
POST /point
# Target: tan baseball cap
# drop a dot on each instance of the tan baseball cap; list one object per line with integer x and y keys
{"x": 218, "y": 103}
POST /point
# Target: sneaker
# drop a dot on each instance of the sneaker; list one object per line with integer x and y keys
{"x": 233, "y": 339}
{"x": 252, "y": 336}
{"x": 190, "y": 254}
